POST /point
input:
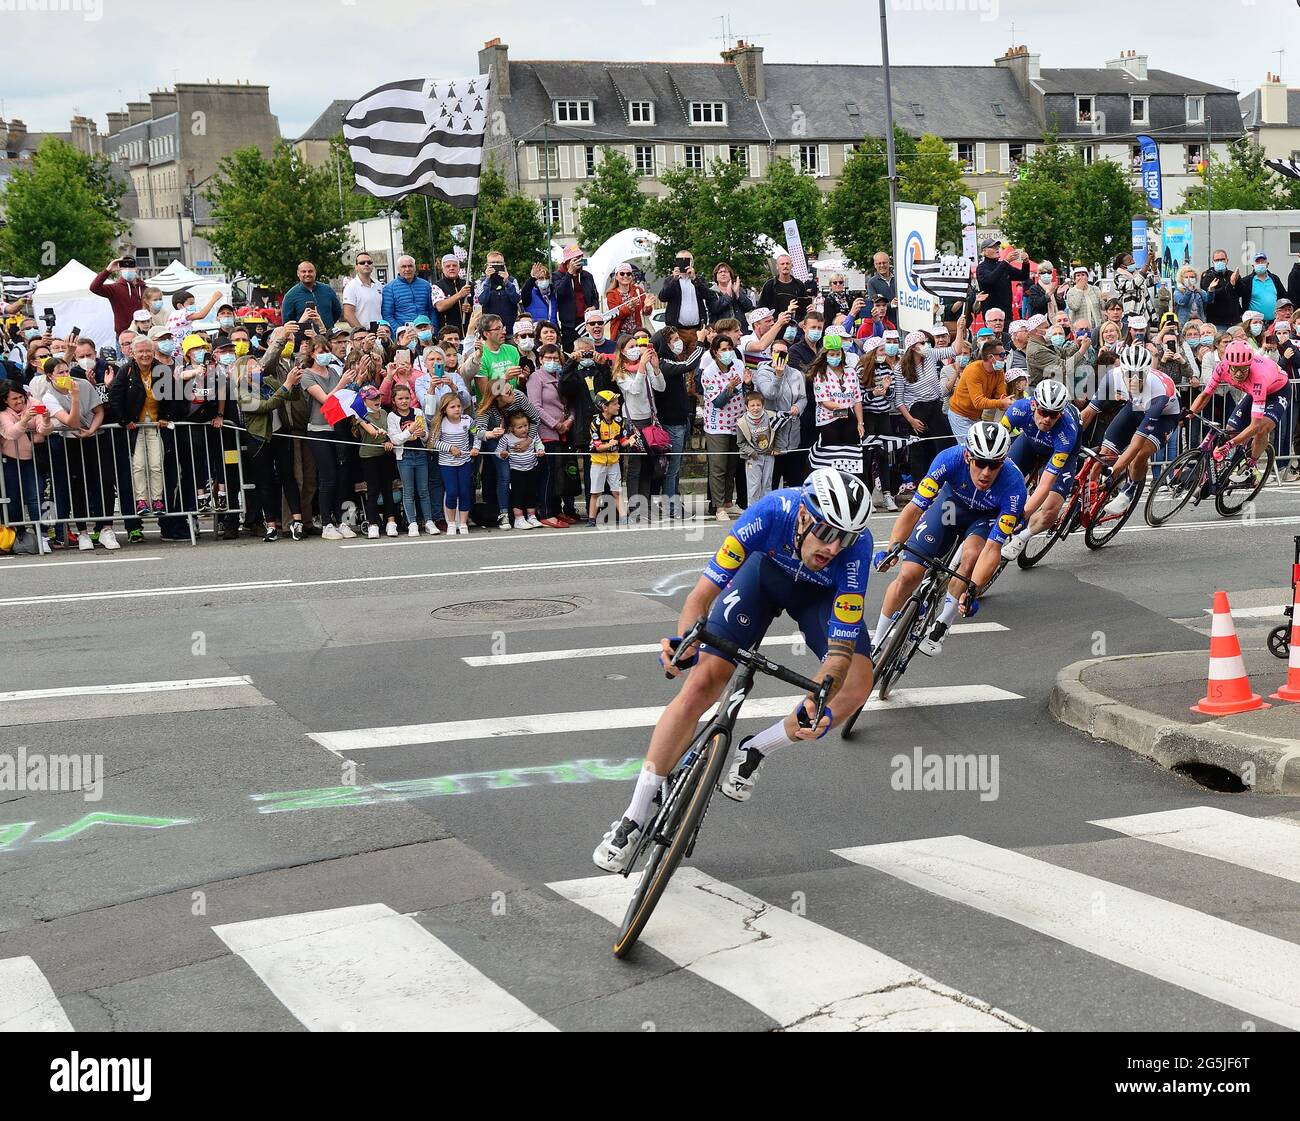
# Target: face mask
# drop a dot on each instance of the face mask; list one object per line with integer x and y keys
{"x": 963, "y": 360}
{"x": 323, "y": 359}
{"x": 551, "y": 366}
{"x": 226, "y": 322}
{"x": 586, "y": 362}
{"x": 86, "y": 364}
{"x": 834, "y": 359}
{"x": 726, "y": 357}
{"x": 1261, "y": 269}
{"x": 813, "y": 334}
{"x": 57, "y": 353}
{"x": 1257, "y": 328}
{"x": 524, "y": 345}
{"x": 255, "y": 342}
{"x": 426, "y": 336}
{"x": 129, "y": 274}
{"x": 1220, "y": 266}
{"x": 414, "y": 345}
{"x": 543, "y": 285}
{"x": 791, "y": 334}
{"x": 1000, "y": 364}
{"x": 63, "y": 383}
{"x": 1201, "y": 342}
{"x": 1055, "y": 340}
{"x": 198, "y": 356}
{"x": 226, "y": 359}
{"x": 156, "y": 305}
{"x": 677, "y": 346}
{"x": 241, "y": 348}
{"x": 31, "y": 333}
{"x": 632, "y": 354}
{"x": 167, "y": 346}
{"x": 891, "y": 349}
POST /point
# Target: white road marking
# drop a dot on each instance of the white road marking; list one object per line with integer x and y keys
{"x": 129, "y": 687}
{"x": 552, "y": 535}
{"x": 368, "y": 968}
{"x": 1262, "y": 844}
{"x": 804, "y": 976}
{"x": 1253, "y": 612}
{"x": 1217, "y": 523}
{"x": 612, "y": 719}
{"x": 137, "y": 593}
{"x": 27, "y": 1003}
{"x": 653, "y": 648}
{"x": 1220, "y": 960}
{"x": 69, "y": 563}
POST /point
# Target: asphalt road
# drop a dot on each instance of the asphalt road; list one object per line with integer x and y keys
{"x": 371, "y": 802}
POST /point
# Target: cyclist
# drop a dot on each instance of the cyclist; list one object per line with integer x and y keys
{"x": 1049, "y": 440}
{"x": 1263, "y": 407}
{"x": 1149, "y": 414}
{"x": 803, "y": 550}
{"x": 980, "y": 500}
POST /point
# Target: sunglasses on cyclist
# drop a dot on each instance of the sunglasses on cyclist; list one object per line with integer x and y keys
{"x": 829, "y": 535}
{"x": 1047, "y": 414}
{"x": 986, "y": 464}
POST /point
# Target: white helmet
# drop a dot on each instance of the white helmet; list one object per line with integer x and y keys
{"x": 987, "y": 440}
{"x": 1052, "y": 396}
{"x": 837, "y": 498}
{"x": 1135, "y": 358}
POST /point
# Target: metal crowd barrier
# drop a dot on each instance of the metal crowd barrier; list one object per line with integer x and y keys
{"x": 88, "y": 483}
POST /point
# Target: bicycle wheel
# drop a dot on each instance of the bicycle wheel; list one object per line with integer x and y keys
{"x": 848, "y": 724}
{"x": 688, "y": 800}
{"x": 1176, "y": 487}
{"x": 1030, "y": 555}
{"x": 1102, "y": 527}
{"x": 896, "y": 641}
{"x": 1239, "y": 485}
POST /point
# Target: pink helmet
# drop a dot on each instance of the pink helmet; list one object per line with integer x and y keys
{"x": 1238, "y": 353}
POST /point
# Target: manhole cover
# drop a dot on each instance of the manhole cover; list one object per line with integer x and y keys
{"x": 506, "y": 609}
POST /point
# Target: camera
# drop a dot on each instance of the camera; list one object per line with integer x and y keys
{"x": 682, "y": 263}
{"x": 48, "y": 316}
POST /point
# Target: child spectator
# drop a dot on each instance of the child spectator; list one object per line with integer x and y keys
{"x": 406, "y": 432}
{"x": 378, "y": 464}
{"x": 524, "y": 471}
{"x": 754, "y": 441}
{"x": 606, "y": 438}
{"x": 457, "y": 439}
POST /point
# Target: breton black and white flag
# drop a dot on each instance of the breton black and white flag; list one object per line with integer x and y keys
{"x": 423, "y": 136}
{"x": 1288, "y": 168}
{"x": 17, "y": 287}
{"x": 945, "y": 277}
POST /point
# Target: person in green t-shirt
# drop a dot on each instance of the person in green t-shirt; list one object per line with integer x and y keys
{"x": 497, "y": 359}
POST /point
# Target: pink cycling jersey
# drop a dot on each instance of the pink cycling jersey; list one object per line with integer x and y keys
{"x": 1266, "y": 377}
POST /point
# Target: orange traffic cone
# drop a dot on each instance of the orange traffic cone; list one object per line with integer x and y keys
{"x": 1291, "y": 690}
{"x": 1227, "y": 691}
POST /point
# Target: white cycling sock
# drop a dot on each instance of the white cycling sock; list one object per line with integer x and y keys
{"x": 648, "y": 785}
{"x": 1025, "y": 534}
{"x": 949, "y": 610}
{"x": 769, "y": 739}
{"x": 882, "y": 625}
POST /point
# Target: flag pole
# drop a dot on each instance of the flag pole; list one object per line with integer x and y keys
{"x": 469, "y": 258}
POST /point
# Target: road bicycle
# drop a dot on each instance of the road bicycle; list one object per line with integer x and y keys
{"x": 1205, "y": 471}
{"x": 689, "y": 788}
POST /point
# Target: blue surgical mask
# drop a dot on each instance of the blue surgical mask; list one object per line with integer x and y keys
{"x": 129, "y": 274}
{"x": 1261, "y": 268}
{"x": 226, "y": 359}
{"x": 726, "y": 357}
{"x": 791, "y": 334}
{"x": 156, "y": 305}
{"x": 963, "y": 360}
{"x": 891, "y": 349}
{"x": 813, "y": 334}
{"x": 834, "y": 359}
{"x": 1000, "y": 364}
{"x": 551, "y": 366}
{"x": 167, "y": 346}
{"x": 1202, "y": 341}
{"x": 226, "y": 321}
{"x": 1055, "y": 340}
{"x": 32, "y": 333}
{"x": 426, "y": 336}
{"x": 413, "y": 346}
{"x": 1220, "y": 266}
{"x": 198, "y": 356}
{"x": 586, "y": 362}
{"x": 543, "y": 285}
{"x": 1257, "y": 328}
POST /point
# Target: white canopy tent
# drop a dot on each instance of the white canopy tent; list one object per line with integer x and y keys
{"x": 67, "y": 293}
{"x": 627, "y": 245}
{"x": 176, "y": 277}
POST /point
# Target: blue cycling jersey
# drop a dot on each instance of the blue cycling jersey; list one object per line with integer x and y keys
{"x": 1058, "y": 443}
{"x": 767, "y": 529}
{"x": 1005, "y": 499}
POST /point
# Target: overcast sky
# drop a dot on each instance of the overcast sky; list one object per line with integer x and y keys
{"x": 96, "y": 54}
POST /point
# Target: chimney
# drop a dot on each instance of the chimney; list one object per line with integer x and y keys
{"x": 1272, "y": 101}
{"x": 83, "y": 131}
{"x": 1132, "y": 63}
{"x": 4, "y": 139}
{"x": 494, "y": 59}
{"x": 17, "y": 135}
{"x": 161, "y": 103}
{"x": 748, "y": 61}
{"x": 138, "y": 111}
{"x": 117, "y": 122}
{"x": 1022, "y": 64}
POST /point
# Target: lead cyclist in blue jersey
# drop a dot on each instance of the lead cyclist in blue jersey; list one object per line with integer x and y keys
{"x": 805, "y": 551}
{"x": 1048, "y": 443}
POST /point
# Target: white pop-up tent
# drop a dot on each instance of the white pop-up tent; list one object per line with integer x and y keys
{"x": 176, "y": 277}
{"x": 67, "y": 293}
{"x": 627, "y": 245}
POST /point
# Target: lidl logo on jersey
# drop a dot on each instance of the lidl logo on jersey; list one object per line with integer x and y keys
{"x": 1058, "y": 460}
{"x": 928, "y": 488}
{"x": 732, "y": 554}
{"x": 1007, "y": 523}
{"x": 848, "y": 608}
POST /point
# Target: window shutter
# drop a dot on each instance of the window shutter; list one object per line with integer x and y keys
{"x": 579, "y": 162}
{"x": 566, "y": 215}
{"x": 823, "y": 160}
{"x": 981, "y": 165}
{"x": 679, "y": 155}
{"x": 710, "y": 155}
{"x": 953, "y": 149}
{"x": 563, "y": 161}
{"x": 755, "y": 161}
{"x": 982, "y": 201}
{"x": 1030, "y": 149}
{"x": 1004, "y": 158}
{"x": 661, "y": 158}
{"x": 532, "y": 161}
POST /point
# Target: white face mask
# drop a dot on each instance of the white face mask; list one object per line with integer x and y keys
{"x": 524, "y": 344}
{"x": 86, "y": 364}
{"x": 632, "y": 354}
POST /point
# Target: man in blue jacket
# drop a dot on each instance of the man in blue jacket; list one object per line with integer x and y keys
{"x": 408, "y": 296}
{"x": 498, "y": 294}
{"x": 328, "y": 306}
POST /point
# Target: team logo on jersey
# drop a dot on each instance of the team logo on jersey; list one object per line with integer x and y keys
{"x": 848, "y": 608}
{"x": 928, "y": 488}
{"x": 732, "y": 554}
{"x": 1007, "y": 523}
{"x": 1058, "y": 460}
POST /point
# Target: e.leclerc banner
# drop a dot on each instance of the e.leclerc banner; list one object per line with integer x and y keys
{"x": 915, "y": 225}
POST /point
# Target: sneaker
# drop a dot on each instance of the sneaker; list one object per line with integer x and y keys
{"x": 272, "y": 534}
{"x": 221, "y": 503}
{"x": 330, "y": 533}
{"x": 390, "y": 529}
{"x": 532, "y": 521}
{"x": 373, "y": 533}
{"x": 890, "y": 504}
{"x": 108, "y": 539}
{"x": 739, "y": 783}
{"x": 617, "y": 846}
{"x": 295, "y": 530}
{"x": 591, "y": 523}
{"x": 136, "y": 537}
{"x": 503, "y": 520}
{"x": 431, "y": 529}
{"x": 204, "y": 504}
{"x": 722, "y": 516}
{"x": 554, "y": 523}
{"x": 43, "y": 545}
{"x": 413, "y": 530}
{"x": 569, "y": 519}
{"x": 159, "y": 508}
{"x": 141, "y": 508}
{"x": 1014, "y": 547}
{"x": 85, "y": 544}
{"x": 346, "y": 530}
{"x": 877, "y": 500}
{"x": 522, "y": 523}
{"x": 932, "y": 645}
{"x": 1118, "y": 504}
{"x": 464, "y": 529}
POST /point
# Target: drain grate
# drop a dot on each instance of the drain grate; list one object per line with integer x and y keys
{"x": 505, "y": 610}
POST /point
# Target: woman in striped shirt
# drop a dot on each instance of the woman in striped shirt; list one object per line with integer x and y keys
{"x": 918, "y": 393}
{"x": 457, "y": 439}
{"x": 879, "y": 371}
{"x": 838, "y": 397}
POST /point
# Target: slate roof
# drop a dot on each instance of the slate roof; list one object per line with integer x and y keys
{"x": 329, "y": 123}
{"x": 1098, "y": 80}
{"x": 1251, "y": 111}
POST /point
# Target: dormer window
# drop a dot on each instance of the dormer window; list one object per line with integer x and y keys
{"x": 708, "y": 112}
{"x": 641, "y": 112}
{"x": 573, "y": 112}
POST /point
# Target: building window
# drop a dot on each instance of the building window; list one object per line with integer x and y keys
{"x": 548, "y": 162}
{"x": 589, "y": 153}
{"x": 1138, "y": 107}
{"x": 1016, "y": 153}
{"x": 641, "y": 112}
{"x": 998, "y": 111}
{"x": 551, "y": 212}
{"x": 1087, "y": 154}
{"x": 1135, "y": 158}
{"x": 573, "y": 113}
{"x": 1195, "y": 156}
{"x": 1195, "y": 110}
{"x": 808, "y": 159}
{"x": 645, "y": 160}
{"x": 966, "y": 157}
{"x": 694, "y": 157}
{"x": 1083, "y": 110}
{"x": 708, "y": 112}
{"x": 739, "y": 153}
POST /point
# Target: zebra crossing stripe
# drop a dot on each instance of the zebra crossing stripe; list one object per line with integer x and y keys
{"x": 804, "y": 976}
{"x": 368, "y": 968}
{"x": 1259, "y": 843}
{"x": 27, "y": 1003}
{"x": 1220, "y": 960}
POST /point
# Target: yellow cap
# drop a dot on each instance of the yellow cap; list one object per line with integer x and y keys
{"x": 191, "y": 341}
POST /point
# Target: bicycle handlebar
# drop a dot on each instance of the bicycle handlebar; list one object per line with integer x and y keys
{"x": 935, "y": 563}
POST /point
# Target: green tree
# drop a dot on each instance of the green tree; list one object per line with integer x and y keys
{"x": 931, "y": 176}
{"x": 352, "y": 206}
{"x": 1241, "y": 182}
{"x": 857, "y": 210}
{"x": 713, "y": 215}
{"x": 271, "y": 214}
{"x": 63, "y": 207}
{"x": 785, "y": 193}
{"x": 613, "y": 201}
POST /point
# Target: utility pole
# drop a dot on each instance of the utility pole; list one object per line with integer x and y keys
{"x": 546, "y": 174}
{"x": 1209, "y": 212}
{"x": 891, "y": 168}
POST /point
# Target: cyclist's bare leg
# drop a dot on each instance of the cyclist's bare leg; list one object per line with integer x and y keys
{"x": 903, "y": 585}
{"x": 673, "y": 732}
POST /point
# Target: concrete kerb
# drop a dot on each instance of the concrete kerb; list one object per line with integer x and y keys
{"x": 1274, "y": 764}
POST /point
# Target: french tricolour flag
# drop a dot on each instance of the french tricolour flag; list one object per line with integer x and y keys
{"x": 342, "y": 404}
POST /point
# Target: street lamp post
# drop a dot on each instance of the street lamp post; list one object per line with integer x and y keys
{"x": 891, "y": 168}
